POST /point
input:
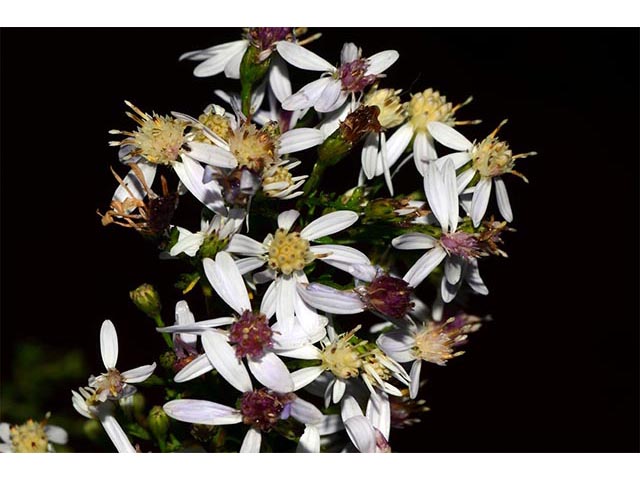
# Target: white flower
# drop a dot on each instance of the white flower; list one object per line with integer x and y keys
{"x": 368, "y": 433}
{"x": 432, "y": 341}
{"x": 113, "y": 384}
{"x": 250, "y": 336}
{"x": 87, "y": 405}
{"x": 423, "y": 109}
{"x": 260, "y": 409}
{"x": 219, "y": 226}
{"x": 161, "y": 140}
{"x": 331, "y": 91}
{"x": 287, "y": 253}
{"x": 31, "y": 437}
{"x": 459, "y": 248}
{"x": 490, "y": 159}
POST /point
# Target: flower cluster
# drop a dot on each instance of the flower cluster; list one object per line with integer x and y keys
{"x": 312, "y": 316}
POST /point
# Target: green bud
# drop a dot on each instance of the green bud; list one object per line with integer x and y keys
{"x": 167, "y": 360}
{"x": 93, "y": 430}
{"x": 211, "y": 246}
{"x": 158, "y": 422}
{"x": 147, "y": 299}
{"x": 381, "y": 209}
{"x": 252, "y": 72}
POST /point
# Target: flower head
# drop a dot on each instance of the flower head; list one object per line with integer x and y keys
{"x": 31, "y": 437}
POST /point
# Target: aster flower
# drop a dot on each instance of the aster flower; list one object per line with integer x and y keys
{"x": 113, "y": 384}
{"x": 434, "y": 342}
{"x": 250, "y": 337}
{"x": 369, "y": 432}
{"x": 286, "y": 253}
{"x": 423, "y": 109}
{"x": 260, "y": 410}
{"x": 217, "y": 229}
{"x": 335, "y": 85}
{"x": 86, "y": 403}
{"x": 458, "y": 249}
{"x": 490, "y": 159}
{"x": 31, "y": 437}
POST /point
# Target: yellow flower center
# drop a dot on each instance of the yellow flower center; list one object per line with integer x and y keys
{"x": 432, "y": 345}
{"x": 374, "y": 365}
{"x": 341, "y": 357}
{"x": 429, "y": 106}
{"x": 280, "y": 175}
{"x": 218, "y": 124}
{"x": 29, "y": 437}
{"x": 289, "y": 252}
{"x": 492, "y": 157}
{"x": 392, "y": 111}
{"x": 253, "y": 148}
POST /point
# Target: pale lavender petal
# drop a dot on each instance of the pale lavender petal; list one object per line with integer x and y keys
{"x": 414, "y": 241}
{"x": 379, "y": 62}
{"x": 223, "y": 357}
{"x": 210, "y": 154}
{"x": 349, "y": 53}
{"x": 437, "y": 195}
{"x": 299, "y": 139}
{"x": 361, "y": 433}
{"x": 251, "y": 442}
{"x": 304, "y": 376}
{"x": 133, "y": 185}
{"x": 219, "y": 56}
{"x": 379, "y": 413}
{"x": 307, "y": 96}
{"x": 56, "y": 434}
{"x": 269, "y": 300}
{"x": 286, "y": 287}
{"x": 398, "y": 345}
{"x": 226, "y": 280}
{"x": 480, "y": 200}
{"x": 140, "y": 374}
{"x": 350, "y": 408}
{"x": 116, "y": 434}
{"x": 309, "y": 440}
{"x": 415, "y": 378}
{"x": 194, "y": 369}
{"x": 453, "y": 269}
{"x": 451, "y": 191}
{"x": 202, "y": 411}
{"x": 279, "y": 78}
{"x": 331, "y": 300}
{"x": 474, "y": 279}
{"x": 340, "y": 253}
{"x": 305, "y": 412}
{"x": 331, "y": 98}
{"x": 424, "y": 266}
{"x": 270, "y": 371}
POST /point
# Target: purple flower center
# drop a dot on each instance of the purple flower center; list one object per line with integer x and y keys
{"x": 251, "y": 335}
{"x": 353, "y": 75}
{"x": 265, "y": 37}
{"x": 390, "y": 296}
{"x": 462, "y": 244}
{"x": 263, "y": 408}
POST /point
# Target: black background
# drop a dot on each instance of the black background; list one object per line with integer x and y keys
{"x": 557, "y": 371}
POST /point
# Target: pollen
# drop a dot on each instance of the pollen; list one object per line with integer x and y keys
{"x": 492, "y": 157}
{"x": 158, "y": 138}
{"x": 289, "y": 252}
{"x": 436, "y": 342}
{"x": 429, "y": 106}
{"x": 29, "y": 437}
{"x": 392, "y": 111}
{"x": 253, "y": 148}
{"x": 341, "y": 357}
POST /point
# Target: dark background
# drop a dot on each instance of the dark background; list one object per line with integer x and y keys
{"x": 557, "y": 371}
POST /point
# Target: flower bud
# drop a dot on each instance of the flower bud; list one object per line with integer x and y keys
{"x": 147, "y": 299}
{"x": 158, "y": 422}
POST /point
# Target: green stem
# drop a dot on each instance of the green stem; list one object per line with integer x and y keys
{"x": 167, "y": 338}
{"x": 207, "y": 291}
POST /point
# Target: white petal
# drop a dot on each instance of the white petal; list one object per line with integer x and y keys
{"x": 503, "y": 199}
{"x": 480, "y": 200}
{"x": 203, "y": 412}
{"x": 307, "y": 96}
{"x": 304, "y": 376}
{"x": 305, "y": 412}
{"x": 279, "y": 78}
{"x": 219, "y": 58}
{"x": 349, "y": 408}
{"x": 249, "y": 264}
{"x": 398, "y": 143}
{"x": 223, "y": 357}
{"x": 414, "y": 241}
{"x": 424, "y": 266}
{"x": 448, "y": 137}
{"x": 331, "y": 300}
{"x": 398, "y": 345}
{"x": 328, "y": 224}
{"x": 330, "y": 424}
{"x": 459, "y": 159}
{"x": 299, "y": 139}
{"x": 339, "y": 387}
{"x": 453, "y": 269}
{"x": 349, "y": 53}
{"x": 328, "y": 100}
{"x": 285, "y": 294}
{"x": 225, "y": 278}
{"x": 108, "y": 344}
{"x": 308, "y": 319}
{"x": 361, "y": 433}
{"x": 190, "y": 174}
{"x": 287, "y": 218}
{"x": 232, "y": 68}
{"x": 464, "y": 178}
{"x": 415, "y": 378}
{"x": 369, "y": 155}
{"x": 140, "y": 374}
{"x": 251, "y": 442}
{"x": 474, "y": 279}
{"x": 56, "y": 434}
{"x": 363, "y": 272}
{"x": 309, "y": 440}
{"x": 436, "y": 193}
{"x": 188, "y": 243}
{"x": 448, "y": 291}
{"x": 5, "y": 432}
{"x": 423, "y": 150}
{"x": 302, "y": 58}
{"x": 379, "y": 62}
{"x": 134, "y": 185}
{"x": 244, "y": 245}
{"x": 270, "y": 371}
{"x": 340, "y": 253}
{"x": 194, "y": 369}
{"x": 451, "y": 190}
{"x": 269, "y": 300}
{"x": 210, "y": 154}
{"x": 195, "y": 328}
{"x": 116, "y": 434}
{"x": 379, "y": 413}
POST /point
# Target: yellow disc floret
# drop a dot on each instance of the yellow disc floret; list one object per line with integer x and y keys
{"x": 342, "y": 357}
{"x": 429, "y": 106}
{"x": 392, "y": 111}
{"x": 253, "y": 148}
{"x": 218, "y": 124}
{"x": 289, "y": 252}
{"x": 280, "y": 175}
{"x": 433, "y": 345}
{"x": 29, "y": 437}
